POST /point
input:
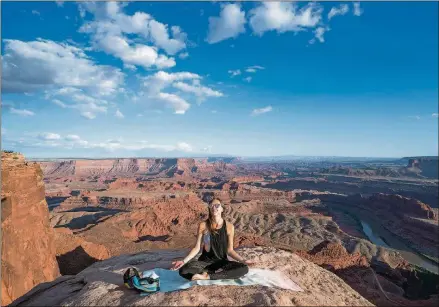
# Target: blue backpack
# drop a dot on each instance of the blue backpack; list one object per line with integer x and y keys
{"x": 132, "y": 280}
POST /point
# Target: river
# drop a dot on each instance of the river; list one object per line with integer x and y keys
{"x": 382, "y": 237}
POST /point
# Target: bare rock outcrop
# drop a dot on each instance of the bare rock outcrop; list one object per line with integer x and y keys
{"x": 102, "y": 285}
{"x": 28, "y": 247}
{"x": 74, "y": 254}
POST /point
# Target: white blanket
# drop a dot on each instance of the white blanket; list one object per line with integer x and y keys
{"x": 172, "y": 281}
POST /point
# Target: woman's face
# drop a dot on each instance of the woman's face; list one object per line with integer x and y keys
{"x": 216, "y": 208}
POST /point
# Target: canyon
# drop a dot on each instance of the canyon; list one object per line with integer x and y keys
{"x": 102, "y": 212}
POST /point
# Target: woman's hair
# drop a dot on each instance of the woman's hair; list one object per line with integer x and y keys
{"x": 209, "y": 221}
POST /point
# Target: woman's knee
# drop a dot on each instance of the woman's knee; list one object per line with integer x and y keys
{"x": 184, "y": 270}
{"x": 244, "y": 269}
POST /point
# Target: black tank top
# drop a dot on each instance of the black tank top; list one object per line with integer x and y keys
{"x": 218, "y": 245}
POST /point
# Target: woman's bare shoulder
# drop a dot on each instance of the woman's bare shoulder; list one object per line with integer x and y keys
{"x": 229, "y": 226}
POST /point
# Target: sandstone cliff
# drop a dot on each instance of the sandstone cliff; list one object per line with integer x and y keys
{"x": 130, "y": 167}
{"x": 28, "y": 247}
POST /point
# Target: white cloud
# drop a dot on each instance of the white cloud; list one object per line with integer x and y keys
{"x": 234, "y": 73}
{"x": 160, "y": 37}
{"x": 357, "y": 9}
{"x": 49, "y": 136}
{"x": 341, "y": 10}
{"x": 261, "y": 111}
{"x": 140, "y": 55}
{"x": 319, "y": 35}
{"x": 184, "y": 147}
{"x": 85, "y": 104}
{"x": 119, "y": 114}
{"x": 22, "y": 112}
{"x": 229, "y": 24}
{"x": 40, "y": 64}
{"x": 197, "y": 90}
{"x": 179, "y": 105}
{"x": 59, "y": 3}
{"x": 72, "y": 137}
{"x": 161, "y": 79}
{"x": 283, "y": 17}
{"x": 72, "y": 140}
{"x": 59, "y": 103}
{"x": 207, "y": 149}
{"x": 248, "y": 79}
{"x": 417, "y": 117}
{"x": 111, "y": 27}
{"x": 253, "y": 69}
{"x": 35, "y": 12}
{"x": 88, "y": 115}
{"x": 156, "y": 83}
{"x": 435, "y": 115}
{"x": 183, "y": 55}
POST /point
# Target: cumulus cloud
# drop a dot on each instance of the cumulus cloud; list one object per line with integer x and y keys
{"x": 248, "y": 79}
{"x": 342, "y": 9}
{"x": 87, "y": 105}
{"x": 435, "y": 115}
{"x": 229, "y": 24}
{"x": 119, "y": 114}
{"x": 260, "y": 111}
{"x": 22, "y": 112}
{"x": 201, "y": 92}
{"x": 155, "y": 85}
{"x": 358, "y": 11}
{"x": 37, "y": 65}
{"x": 35, "y": 12}
{"x": 111, "y": 28}
{"x": 59, "y": 3}
{"x": 283, "y": 17}
{"x": 177, "y": 103}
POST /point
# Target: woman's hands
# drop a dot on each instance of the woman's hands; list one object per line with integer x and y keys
{"x": 249, "y": 262}
{"x": 177, "y": 265}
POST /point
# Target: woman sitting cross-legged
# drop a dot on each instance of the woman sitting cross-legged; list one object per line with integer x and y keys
{"x": 217, "y": 238}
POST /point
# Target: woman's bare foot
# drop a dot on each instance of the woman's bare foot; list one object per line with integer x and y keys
{"x": 202, "y": 276}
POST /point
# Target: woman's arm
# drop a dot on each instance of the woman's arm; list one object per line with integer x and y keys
{"x": 195, "y": 250}
{"x": 230, "y": 251}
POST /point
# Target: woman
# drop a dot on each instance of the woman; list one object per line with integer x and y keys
{"x": 217, "y": 238}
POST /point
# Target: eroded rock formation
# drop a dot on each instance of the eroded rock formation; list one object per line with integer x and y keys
{"x": 28, "y": 245}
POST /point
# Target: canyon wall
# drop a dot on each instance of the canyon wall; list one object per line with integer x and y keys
{"x": 28, "y": 247}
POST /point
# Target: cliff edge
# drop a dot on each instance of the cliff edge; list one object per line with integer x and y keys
{"x": 101, "y": 284}
{"x": 28, "y": 247}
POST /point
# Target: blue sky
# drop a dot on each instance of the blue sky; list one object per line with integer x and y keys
{"x": 246, "y": 79}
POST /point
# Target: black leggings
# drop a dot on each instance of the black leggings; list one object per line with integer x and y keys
{"x": 217, "y": 269}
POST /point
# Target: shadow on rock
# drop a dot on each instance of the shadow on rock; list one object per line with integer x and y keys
{"x": 164, "y": 238}
{"x": 75, "y": 261}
